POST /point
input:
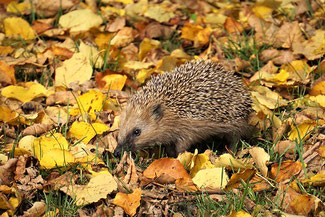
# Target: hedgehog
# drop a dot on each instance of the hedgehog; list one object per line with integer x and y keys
{"x": 194, "y": 102}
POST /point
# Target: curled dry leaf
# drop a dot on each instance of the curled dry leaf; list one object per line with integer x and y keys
{"x": 129, "y": 202}
{"x": 124, "y": 37}
{"x": 7, "y": 172}
{"x": 228, "y": 161}
{"x": 37, "y": 129}
{"x": 61, "y": 97}
{"x": 37, "y": 209}
{"x": 7, "y": 73}
{"x": 260, "y": 158}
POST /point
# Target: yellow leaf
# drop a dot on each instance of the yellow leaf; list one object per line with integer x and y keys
{"x": 46, "y": 143}
{"x": 56, "y": 158}
{"x": 25, "y": 94}
{"x": 200, "y": 161}
{"x": 102, "y": 40}
{"x": 260, "y": 158}
{"x": 262, "y": 11}
{"x": 301, "y": 131}
{"x": 18, "y": 8}
{"x": 77, "y": 68}
{"x": 298, "y": 70}
{"x": 320, "y": 99}
{"x": 147, "y": 45}
{"x": 97, "y": 188}
{"x": 240, "y": 213}
{"x": 135, "y": 65}
{"x": 279, "y": 78}
{"x": 85, "y": 131}
{"x": 268, "y": 98}
{"x": 228, "y": 161}
{"x": 89, "y": 103}
{"x": 143, "y": 75}
{"x": 109, "y": 11}
{"x": 3, "y": 159}
{"x": 26, "y": 143}
{"x": 92, "y": 53}
{"x": 114, "y": 81}
{"x": 159, "y": 13}
{"x": 316, "y": 180}
{"x": 16, "y": 27}
{"x": 126, "y": 2}
{"x": 318, "y": 89}
{"x": 80, "y": 20}
{"x": 129, "y": 202}
{"x": 211, "y": 178}
{"x": 312, "y": 48}
{"x": 6, "y": 115}
{"x": 190, "y": 31}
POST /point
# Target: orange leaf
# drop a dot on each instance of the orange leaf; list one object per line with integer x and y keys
{"x": 286, "y": 171}
{"x": 167, "y": 170}
{"x": 129, "y": 202}
{"x": 231, "y": 25}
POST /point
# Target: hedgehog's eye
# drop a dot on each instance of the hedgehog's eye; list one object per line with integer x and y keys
{"x": 136, "y": 132}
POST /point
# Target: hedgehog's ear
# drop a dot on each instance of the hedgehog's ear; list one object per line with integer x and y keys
{"x": 157, "y": 111}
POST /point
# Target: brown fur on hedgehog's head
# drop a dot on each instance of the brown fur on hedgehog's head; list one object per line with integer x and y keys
{"x": 138, "y": 124}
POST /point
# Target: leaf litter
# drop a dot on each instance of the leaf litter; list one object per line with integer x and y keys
{"x": 67, "y": 69}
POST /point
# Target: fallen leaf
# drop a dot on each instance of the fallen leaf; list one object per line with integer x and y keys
{"x": 318, "y": 89}
{"x": 228, "y": 161}
{"x": 6, "y": 115}
{"x": 89, "y": 104}
{"x": 25, "y": 94}
{"x": 129, "y": 202}
{"x": 7, "y": 73}
{"x": 260, "y": 158}
{"x": 240, "y": 213}
{"x": 80, "y": 20}
{"x": 312, "y": 48}
{"x": 17, "y": 28}
{"x": 167, "y": 170}
{"x": 86, "y": 131}
{"x": 211, "y": 178}
{"x": 285, "y": 170}
{"x": 159, "y": 13}
{"x": 124, "y": 37}
{"x": 316, "y": 180}
{"x": 77, "y": 68}
{"x": 97, "y": 188}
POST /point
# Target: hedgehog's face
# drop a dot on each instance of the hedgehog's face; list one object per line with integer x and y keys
{"x": 138, "y": 127}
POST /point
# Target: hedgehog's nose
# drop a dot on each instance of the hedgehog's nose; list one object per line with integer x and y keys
{"x": 118, "y": 151}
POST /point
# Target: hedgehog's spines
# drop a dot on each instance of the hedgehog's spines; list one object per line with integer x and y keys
{"x": 198, "y": 89}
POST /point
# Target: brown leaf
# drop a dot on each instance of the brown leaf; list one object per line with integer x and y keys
{"x": 36, "y": 210}
{"x": 7, "y": 172}
{"x": 37, "y": 129}
{"x": 231, "y": 25}
{"x": 62, "y": 97}
{"x": 117, "y": 24}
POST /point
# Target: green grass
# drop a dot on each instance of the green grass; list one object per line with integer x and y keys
{"x": 246, "y": 48}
